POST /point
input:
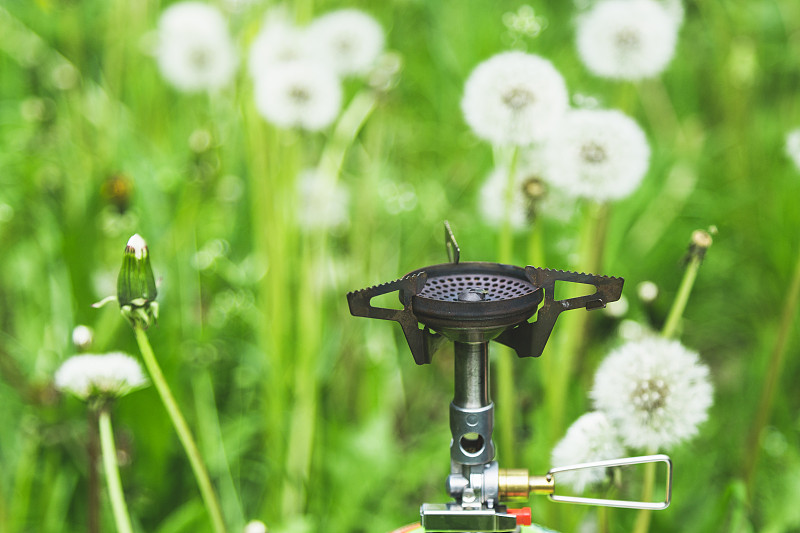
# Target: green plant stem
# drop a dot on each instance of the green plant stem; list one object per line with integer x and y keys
{"x": 182, "y": 429}
{"x": 668, "y": 331}
{"x": 109, "y": 452}
{"x": 753, "y": 447}
{"x": 93, "y": 446}
{"x": 603, "y": 519}
{"x": 642, "y": 524}
{"x": 303, "y": 419}
{"x": 345, "y": 131}
{"x": 682, "y": 298}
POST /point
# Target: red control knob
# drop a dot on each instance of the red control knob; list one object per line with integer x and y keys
{"x": 523, "y": 515}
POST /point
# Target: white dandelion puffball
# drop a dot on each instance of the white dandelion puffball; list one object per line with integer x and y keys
{"x": 349, "y": 40}
{"x": 113, "y": 374}
{"x": 675, "y": 9}
{"x": 255, "y": 526}
{"x": 303, "y": 94}
{"x": 590, "y": 438}
{"x": 323, "y": 203}
{"x": 655, "y": 391}
{"x": 793, "y": 147}
{"x": 492, "y": 200}
{"x": 514, "y": 98}
{"x": 278, "y": 41}
{"x": 195, "y": 52}
{"x": 597, "y": 154}
{"x": 627, "y": 39}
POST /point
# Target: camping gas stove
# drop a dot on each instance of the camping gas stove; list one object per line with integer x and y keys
{"x": 470, "y": 304}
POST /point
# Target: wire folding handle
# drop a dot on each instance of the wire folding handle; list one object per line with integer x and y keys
{"x": 627, "y": 504}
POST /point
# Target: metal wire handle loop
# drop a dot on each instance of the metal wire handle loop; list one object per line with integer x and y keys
{"x": 627, "y": 504}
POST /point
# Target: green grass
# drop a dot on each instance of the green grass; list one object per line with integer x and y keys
{"x": 306, "y": 417}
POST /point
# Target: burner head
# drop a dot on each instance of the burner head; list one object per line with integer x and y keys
{"x": 474, "y": 296}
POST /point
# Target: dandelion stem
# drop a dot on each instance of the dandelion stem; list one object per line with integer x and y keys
{"x": 602, "y": 519}
{"x": 182, "y": 429}
{"x": 94, "y": 479}
{"x": 642, "y": 524}
{"x": 770, "y": 382}
{"x": 347, "y": 127}
{"x": 682, "y": 298}
{"x": 696, "y": 254}
{"x": 109, "y": 451}
{"x": 303, "y": 417}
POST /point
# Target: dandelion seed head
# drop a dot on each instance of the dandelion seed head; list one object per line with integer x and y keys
{"x": 514, "y": 98}
{"x": 302, "y": 94}
{"x": 195, "y": 51}
{"x": 655, "y": 391}
{"x": 590, "y": 438}
{"x": 349, "y": 40}
{"x": 112, "y": 375}
{"x": 597, "y": 154}
{"x": 255, "y": 526}
{"x": 627, "y": 39}
{"x": 793, "y": 147}
{"x": 324, "y": 204}
{"x": 278, "y": 41}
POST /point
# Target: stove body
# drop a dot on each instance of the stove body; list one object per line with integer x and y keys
{"x": 472, "y": 304}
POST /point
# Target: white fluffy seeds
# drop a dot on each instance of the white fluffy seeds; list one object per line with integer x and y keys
{"x": 349, "y": 40}
{"x": 514, "y": 98}
{"x": 299, "y": 94}
{"x": 195, "y": 51}
{"x": 597, "y": 154}
{"x": 112, "y": 375}
{"x": 590, "y": 438}
{"x": 627, "y": 39}
{"x": 655, "y": 392}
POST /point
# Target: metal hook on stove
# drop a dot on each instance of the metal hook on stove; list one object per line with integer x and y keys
{"x": 453, "y": 251}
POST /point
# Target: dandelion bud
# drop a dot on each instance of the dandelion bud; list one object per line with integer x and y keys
{"x": 136, "y": 285}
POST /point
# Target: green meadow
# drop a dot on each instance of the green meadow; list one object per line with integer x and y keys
{"x": 307, "y": 418}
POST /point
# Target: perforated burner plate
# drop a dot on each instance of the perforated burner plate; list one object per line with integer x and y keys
{"x": 502, "y": 296}
{"x": 493, "y": 288}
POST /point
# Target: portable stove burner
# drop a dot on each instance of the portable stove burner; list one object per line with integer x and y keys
{"x": 471, "y": 304}
{"x": 474, "y": 296}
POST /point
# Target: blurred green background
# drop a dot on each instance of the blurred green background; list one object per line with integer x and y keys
{"x": 312, "y": 420}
